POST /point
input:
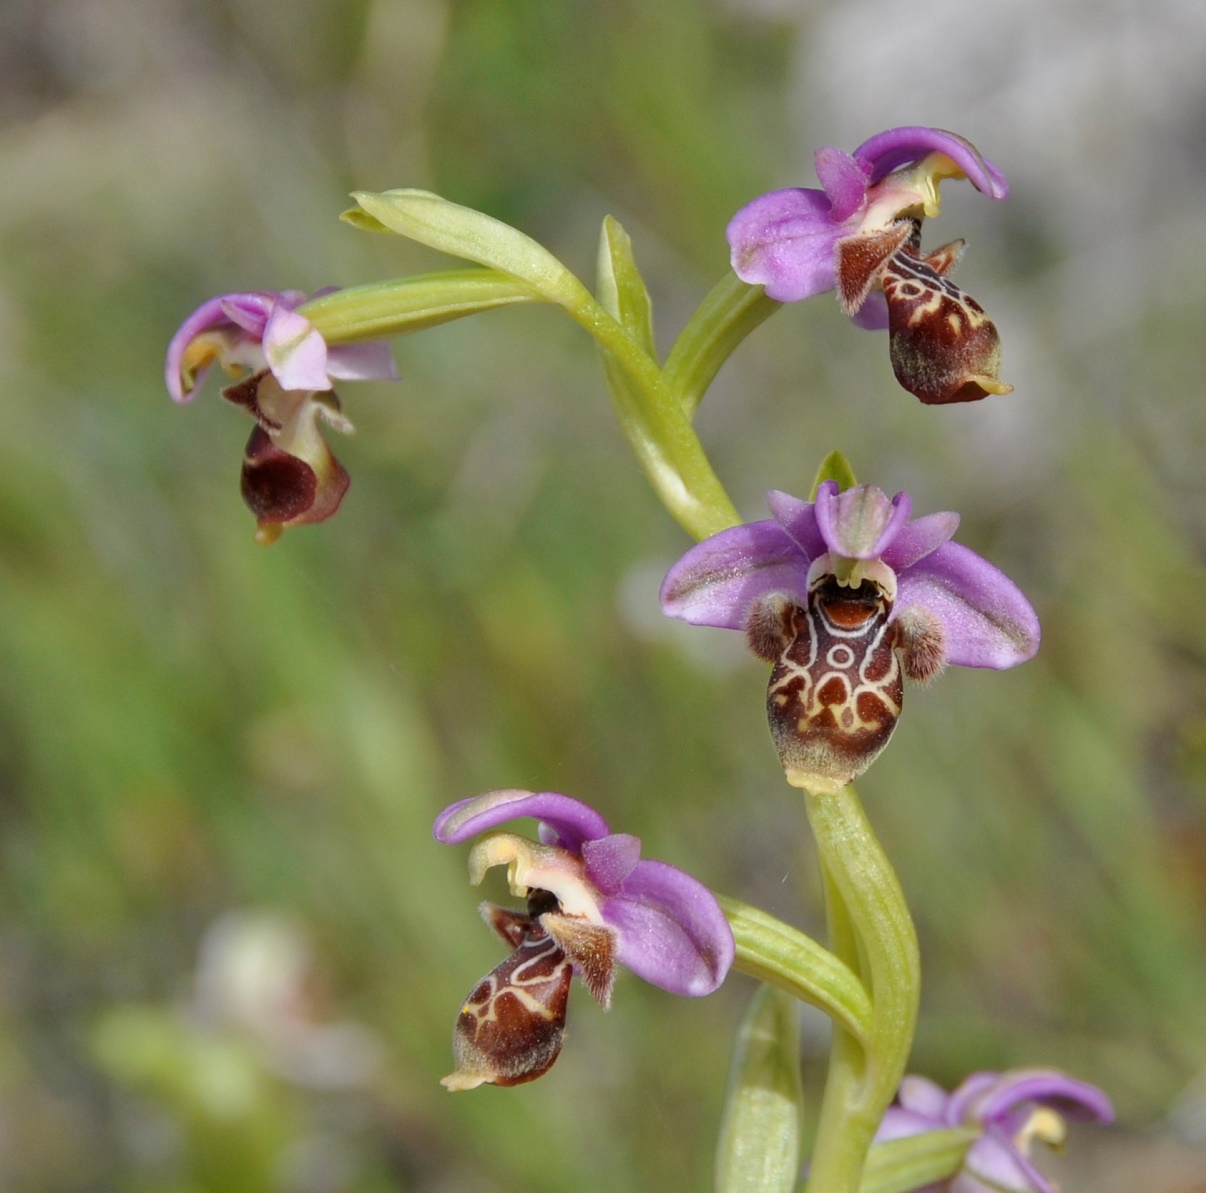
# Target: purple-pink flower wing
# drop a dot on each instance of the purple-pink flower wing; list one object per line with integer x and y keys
{"x": 672, "y": 932}
{"x": 986, "y": 619}
{"x": 718, "y": 580}
{"x": 785, "y": 242}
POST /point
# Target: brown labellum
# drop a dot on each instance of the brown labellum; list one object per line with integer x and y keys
{"x": 510, "y": 1027}
{"x": 276, "y": 486}
{"x": 289, "y": 477}
{"x": 836, "y": 690}
{"x": 944, "y": 347}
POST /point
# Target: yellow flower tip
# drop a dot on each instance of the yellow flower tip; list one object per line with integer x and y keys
{"x": 1045, "y": 1125}
{"x": 534, "y": 866}
{"x": 267, "y": 533}
{"x": 455, "y": 1082}
{"x": 991, "y": 385}
{"x": 927, "y": 174}
{"x": 813, "y": 783}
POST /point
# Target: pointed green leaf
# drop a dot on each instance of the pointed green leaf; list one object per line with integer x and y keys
{"x": 834, "y": 467}
{"x": 916, "y": 1161}
{"x": 365, "y": 222}
{"x": 475, "y": 236}
{"x": 759, "y": 1147}
{"x": 411, "y": 304}
{"x": 621, "y": 289}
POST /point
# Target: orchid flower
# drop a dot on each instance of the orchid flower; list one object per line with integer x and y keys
{"x": 592, "y": 901}
{"x": 1011, "y": 1110}
{"x": 848, "y": 597}
{"x": 861, "y": 235}
{"x": 285, "y": 372}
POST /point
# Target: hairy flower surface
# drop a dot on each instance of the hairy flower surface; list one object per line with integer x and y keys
{"x": 847, "y": 597}
{"x": 592, "y": 901}
{"x": 1010, "y": 1110}
{"x": 861, "y": 235}
{"x": 285, "y": 375}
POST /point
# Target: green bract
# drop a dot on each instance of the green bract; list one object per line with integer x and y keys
{"x": 413, "y": 304}
{"x": 759, "y": 1147}
{"x": 472, "y": 235}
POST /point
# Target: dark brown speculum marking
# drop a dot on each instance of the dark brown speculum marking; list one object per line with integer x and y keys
{"x": 836, "y": 689}
{"x": 276, "y": 486}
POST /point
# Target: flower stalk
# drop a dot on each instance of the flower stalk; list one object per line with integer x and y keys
{"x": 872, "y": 932}
{"x": 729, "y": 313}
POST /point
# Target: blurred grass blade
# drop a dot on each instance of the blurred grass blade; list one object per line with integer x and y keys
{"x": 474, "y": 236}
{"x": 901, "y": 1165}
{"x": 759, "y": 1147}
{"x": 621, "y": 289}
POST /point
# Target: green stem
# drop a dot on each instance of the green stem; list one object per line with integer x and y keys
{"x": 726, "y": 316}
{"x": 774, "y": 952}
{"x": 871, "y": 930}
{"x": 658, "y": 431}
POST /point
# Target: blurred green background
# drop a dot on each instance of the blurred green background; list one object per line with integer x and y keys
{"x": 230, "y": 953}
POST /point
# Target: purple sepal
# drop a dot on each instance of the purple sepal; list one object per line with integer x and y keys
{"x": 993, "y": 1095}
{"x": 716, "y": 582}
{"x": 295, "y": 351}
{"x": 573, "y": 821}
{"x": 986, "y": 619}
{"x": 921, "y": 1096}
{"x": 888, "y": 151}
{"x": 672, "y": 932}
{"x": 899, "y": 1123}
{"x": 785, "y": 242}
